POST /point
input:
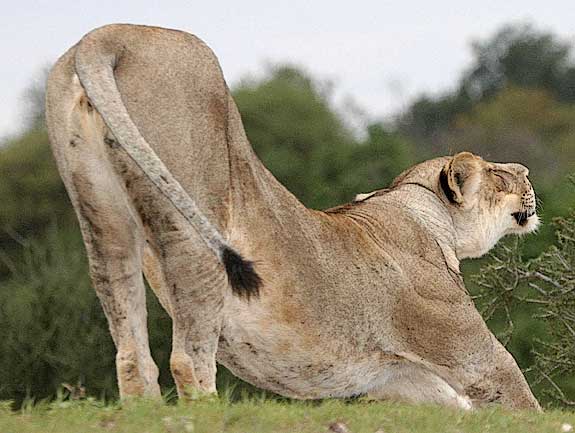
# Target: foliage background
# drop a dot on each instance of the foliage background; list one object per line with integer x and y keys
{"x": 515, "y": 102}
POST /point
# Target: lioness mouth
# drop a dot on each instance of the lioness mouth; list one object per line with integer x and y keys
{"x": 522, "y": 217}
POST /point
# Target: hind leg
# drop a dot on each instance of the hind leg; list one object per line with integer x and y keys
{"x": 182, "y": 270}
{"x": 113, "y": 244}
{"x": 113, "y": 239}
{"x": 188, "y": 278}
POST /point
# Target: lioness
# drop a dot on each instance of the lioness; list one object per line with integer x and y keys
{"x": 365, "y": 298}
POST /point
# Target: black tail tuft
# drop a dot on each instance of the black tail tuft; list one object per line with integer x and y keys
{"x": 242, "y": 276}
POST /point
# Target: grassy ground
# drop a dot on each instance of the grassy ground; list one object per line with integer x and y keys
{"x": 212, "y": 416}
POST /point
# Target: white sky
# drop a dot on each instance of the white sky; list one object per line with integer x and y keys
{"x": 381, "y": 53}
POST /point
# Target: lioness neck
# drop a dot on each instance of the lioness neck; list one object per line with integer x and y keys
{"x": 425, "y": 207}
{"x": 421, "y": 206}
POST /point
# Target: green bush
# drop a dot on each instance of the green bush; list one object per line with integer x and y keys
{"x": 57, "y": 329}
{"x": 531, "y": 306}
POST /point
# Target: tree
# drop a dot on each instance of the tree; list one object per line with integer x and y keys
{"x": 375, "y": 161}
{"x": 553, "y": 276}
{"x": 35, "y": 101}
{"x": 521, "y": 56}
{"x": 518, "y": 56}
{"x": 31, "y": 191}
{"x": 520, "y": 125}
{"x": 301, "y": 138}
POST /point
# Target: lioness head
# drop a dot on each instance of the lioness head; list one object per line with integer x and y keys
{"x": 486, "y": 200}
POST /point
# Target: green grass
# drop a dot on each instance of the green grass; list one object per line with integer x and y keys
{"x": 251, "y": 416}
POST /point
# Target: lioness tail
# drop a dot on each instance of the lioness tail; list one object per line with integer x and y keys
{"x": 95, "y": 61}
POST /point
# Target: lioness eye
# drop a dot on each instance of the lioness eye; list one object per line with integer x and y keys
{"x": 503, "y": 183}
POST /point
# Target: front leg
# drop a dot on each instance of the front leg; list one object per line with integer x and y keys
{"x": 502, "y": 381}
{"x": 439, "y": 326}
{"x": 414, "y": 383}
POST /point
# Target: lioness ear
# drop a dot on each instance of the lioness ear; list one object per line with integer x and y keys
{"x": 459, "y": 177}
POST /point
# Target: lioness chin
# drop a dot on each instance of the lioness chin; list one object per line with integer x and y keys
{"x": 365, "y": 298}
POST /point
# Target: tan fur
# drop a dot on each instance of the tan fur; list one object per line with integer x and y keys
{"x": 365, "y": 298}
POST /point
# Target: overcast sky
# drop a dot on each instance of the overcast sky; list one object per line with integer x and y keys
{"x": 380, "y": 53}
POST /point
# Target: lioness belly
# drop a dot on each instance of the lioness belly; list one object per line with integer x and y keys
{"x": 306, "y": 378}
{"x": 268, "y": 360}
{"x": 278, "y": 358}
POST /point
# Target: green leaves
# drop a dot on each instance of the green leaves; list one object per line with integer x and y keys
{"x": 57, "y": 330}
{"x": 31, "y": 191}
{"x": 544, "y": 288}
